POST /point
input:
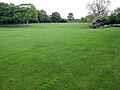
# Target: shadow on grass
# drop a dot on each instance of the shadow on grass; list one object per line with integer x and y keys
{"x": 15, "y": 25}
{"x": 111, "y": 25}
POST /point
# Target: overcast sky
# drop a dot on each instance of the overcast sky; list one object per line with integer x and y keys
{"x": 77, "y": 7}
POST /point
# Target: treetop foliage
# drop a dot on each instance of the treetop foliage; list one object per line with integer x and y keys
{"x": 99, "y": 7}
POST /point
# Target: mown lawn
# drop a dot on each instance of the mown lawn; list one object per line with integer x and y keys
{"x": 59, "y": 57}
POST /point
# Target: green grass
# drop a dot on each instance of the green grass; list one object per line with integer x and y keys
{"x": 59, "y": 57}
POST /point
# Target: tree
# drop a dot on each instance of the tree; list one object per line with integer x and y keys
{"x": 43, "y": 17}
{"x": 28, "y": 12}
{"x": 5, "y": 12}
{"x": 99, "y": 7}
{"x": 70, "y": 16}
{"x": 114, "y": 18}
{"x": 83, "y": 19}
{"x": 117, "y": 12}
{"x": 56, "y": 17}
{"x": 19, "y": 13}
{"x": 90, "y": 17}
{"x": 11, "y": 14}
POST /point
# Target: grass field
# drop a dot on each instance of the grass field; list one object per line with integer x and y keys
{"x": 59, "y": 57}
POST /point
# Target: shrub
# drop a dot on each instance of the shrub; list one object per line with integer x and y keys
{"x": 97, "y": 22}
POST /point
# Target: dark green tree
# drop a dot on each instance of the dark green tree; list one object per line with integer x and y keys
{"x": 117, "y": 12}
{"x": 27, "y": 12}
{"x": 114, "y": 18}
{"x": 43, "y": 17}
{"x": 5, "y": 12}
{"x": 56, "y": 17}
{"x": 70, "y": 16}
{"x": 10, "y": 14}
{"x": 83, "y": 19}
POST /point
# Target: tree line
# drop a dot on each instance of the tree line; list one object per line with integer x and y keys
{"x": 27, "y": 13}
{"x": 23, "y": 13}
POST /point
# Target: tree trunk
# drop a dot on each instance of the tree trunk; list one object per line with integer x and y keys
{"x": 27, "y": 23}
